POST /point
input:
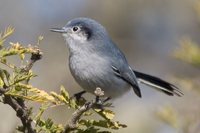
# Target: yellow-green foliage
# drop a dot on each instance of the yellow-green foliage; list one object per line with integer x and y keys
{"x": 15, "y": 78}
{"x": 168, "y": 115}
{"x": 197, "y": 9}
{"x": 185, "y": 117}
{"x": 3, "y": 35}
{"x": 188, "y": 52}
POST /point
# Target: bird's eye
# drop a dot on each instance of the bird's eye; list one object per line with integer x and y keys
{"x": 75, "y": 28}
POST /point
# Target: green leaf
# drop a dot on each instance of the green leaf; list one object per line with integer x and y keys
{"x": 20, "y": 129}
{"x": 1, "y": 83}
{"x": 49, "y": 126}
{"x": 22, "y": 75}
{"x": 107, "y": 114}
{"x": 73, "y": 104}
{"x": 87, "y": 113}
{"x": 104, "y": 132}
{"x": 5, "y": 76}
{"x": 40, "y": 122}
{"x": 102, "y": 123}
{"x": 22, "y": 56}
{"x": 64, "y": 93}
{"x": 16, "y": 49}
{"x": 3, "y": 60}
{"x": 40, "y": 38}
{"x": 60, "y": 98}
{"x": 48, "y": 123}
{"x": 89, "y": 130}
{"x": 42, "y": 108}
{"x": 34, "y": 94}
{"x": 7, "y": 32}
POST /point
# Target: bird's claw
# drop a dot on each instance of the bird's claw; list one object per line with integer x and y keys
{"x": 78, "y": 95}
{"x": 100, "y": 102}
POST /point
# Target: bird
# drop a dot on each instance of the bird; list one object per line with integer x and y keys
{"x": 96, "y": 61}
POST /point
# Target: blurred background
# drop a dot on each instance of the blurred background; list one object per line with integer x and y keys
{"x": 148, "y": 32}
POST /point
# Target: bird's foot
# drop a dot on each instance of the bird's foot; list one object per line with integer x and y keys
{"x": 100, "y": 102}
{"x": 78, "y": 95}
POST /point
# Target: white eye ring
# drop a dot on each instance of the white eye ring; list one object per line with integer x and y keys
{"x": 75, "y": 28}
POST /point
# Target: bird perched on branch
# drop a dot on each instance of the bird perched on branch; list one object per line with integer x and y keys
{"x": 96, "y": 61}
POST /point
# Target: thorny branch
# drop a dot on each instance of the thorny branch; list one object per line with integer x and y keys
{"x": 17, "y": 103}
{"x": 71, "y": 125}
{"x": 72, "y": 122}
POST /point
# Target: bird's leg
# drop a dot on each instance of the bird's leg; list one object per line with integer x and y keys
{"x": 100, "y": 102}
{"x": 79, "y": 95}
{"x": 97, "y": 100}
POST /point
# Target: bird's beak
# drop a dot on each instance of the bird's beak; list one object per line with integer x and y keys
{"x": 59, "y": 30}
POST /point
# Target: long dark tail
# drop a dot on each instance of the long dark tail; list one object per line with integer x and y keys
{"x": 158, "y": 84}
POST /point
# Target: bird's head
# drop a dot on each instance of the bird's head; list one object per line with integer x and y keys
{"x": 82, "y": 30}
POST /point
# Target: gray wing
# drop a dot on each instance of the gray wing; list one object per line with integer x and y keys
{"x": 128, "y": 76}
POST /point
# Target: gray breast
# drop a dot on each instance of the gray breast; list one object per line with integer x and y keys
{"x": 91, "y": 71}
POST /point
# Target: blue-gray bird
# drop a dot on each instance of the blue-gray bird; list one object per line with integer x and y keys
{"x": 95, "y": 61}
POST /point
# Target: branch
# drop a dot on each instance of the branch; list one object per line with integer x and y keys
{"x": 21, "y": 113}
{"x": 72, "y": 123}
{"x": 37, "y": 55}
{"x": 76, "y": 116}
{"x": 17, "y": 103}
{"x": 2, "y": 91}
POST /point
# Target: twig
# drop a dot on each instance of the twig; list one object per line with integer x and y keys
{"x": 37, "y": 55}
{"x": 2, "y": 90}
{"x": 72, "y": 122}
{"x": 21, "y": 113}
